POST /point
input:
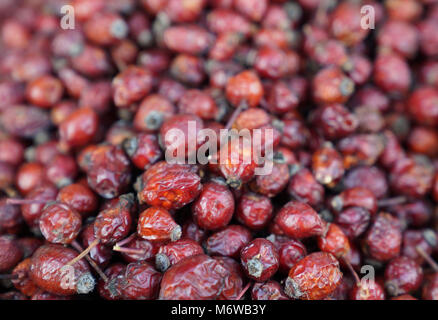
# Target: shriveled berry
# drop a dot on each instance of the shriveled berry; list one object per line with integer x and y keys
{"x": 402, "y": 275}
{"x": 156, "y": 224}
{"x": 228, "y": 242}
{"x": 314, "y": 277}
{"x": 215, "y": 206}
{"x": 260, "y": 259}
{"x": 60, "y": 223}
{"x": 299, "y": 220}
{"x": 171, "y": 253}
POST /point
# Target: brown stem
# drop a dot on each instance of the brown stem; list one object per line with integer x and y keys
{"x": 243, "y": 291}
{"x": 25, "y": 201}
{"x": 125, "y": 241}
{"x": 353, "y": 272}
{"x": 84, "y": 253}
{"x": 99, "y": 271}
{"x": 8, "y": 276}
{"x": 129, "y": 250}
{"x": 391, "y": 201}
{"x": 428, "y": 258}
{"x": 235, "y": 114}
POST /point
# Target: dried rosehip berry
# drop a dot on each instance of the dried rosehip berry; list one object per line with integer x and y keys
{"x": 143, "y": 149}
{"x": 171, "y": 187}
{"x": 367, "y": 290}
{"x": 345, "y": 23}
{"x": 131, "y": 85}
{"x": 254, "y": 210}
{"x": 59, "y": 223}
{"x": 270, "y": 290}
{"x": 29, "y": 176}
{"x": 383, "y": 239}
{"x": 331, "y": 85}
{"x": 353, "y": 221}
{"x": 215, "y": 206}
{"x": 79, "y": 128}
{"x": 402, "y": 275}
{"x": 10, "y": 253}
{"x": 21, "y": 280}
{"x": 392, "y": 74}
{"x": 299, "y": 220}
{"x": 314, "y": 277}
{"x": 171, "y": 253}
{"x": 334, "y": 241}
{"x": 140, "y": 281}
{"x": 100, "y": 253}
{"x": 260, "y": 259}
{"x": 32, "y": 211}
{"x": 244, "y": 89}
{"x": 334, "y": 121}
{"x": 304, "y": 187}
{"x": 228, "y": 242}
{"x": 108, "y": 171}
{"x": 44, "y": 91}
{"x": 189, "y": 39}
{"x": 114, "y": 223}
{"x": 290, "y": 252}
{"x": 46, "y": 271}
{"x": 78, "y": 197}
{"x": 157, "y": 224}
{"x": 355, "y": 197}
{"x": 327, "y": 165}
{"x": 194, "y": 278}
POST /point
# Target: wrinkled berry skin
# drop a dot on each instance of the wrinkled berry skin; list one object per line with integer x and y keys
{"x": 32, "y": 212}
{"x": 10, "y": 253}
{"x": 79, "y": 197}
{"x": 334, "y": 241}
{"x": 214, "y": 207}
{"x": 10, "y": 218}
{"x": 143, "y": 150}
{"x": 233, "y": 284}
{"x": 254, "y": 210}
{"x": 131, "y": 85}
{"x": 108, "y": 171}
{"x": 113, "y": 224}
{"x": 22, "y": 282}
{"x": 368, "y": 290}
{"x": 430, "y": 289}
{"x": 157, "y": 224}
{"x": 290, "y": 252}
{"x": 140, "y": 281}
{"x": 101, "y": 254}
{"x": 59, "y": 223}
{"x": 402, "y": 275}
{"x": 244, "y": 88}
{"x": 171, "y": 253}
{"x": 46, "y": 273}
{"x": 79, "y": 128}
{"x": 228, "y": 242}
{"x": 170, "y": 188}
{"x": 303, "y": 186}
{"x": 270, "y": 290}
{"x": 110, "y": 290}
{"x": 298, "y": 220}
{"x": 383, "y": 239}
{"x": 260, "y": 259}
{"x": 353, "y": 221}
{"x": 314, "y": 277}
{"x": 195, "y": 278}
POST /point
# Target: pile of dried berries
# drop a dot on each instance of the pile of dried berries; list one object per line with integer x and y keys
{"x": 90, "y": 206}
